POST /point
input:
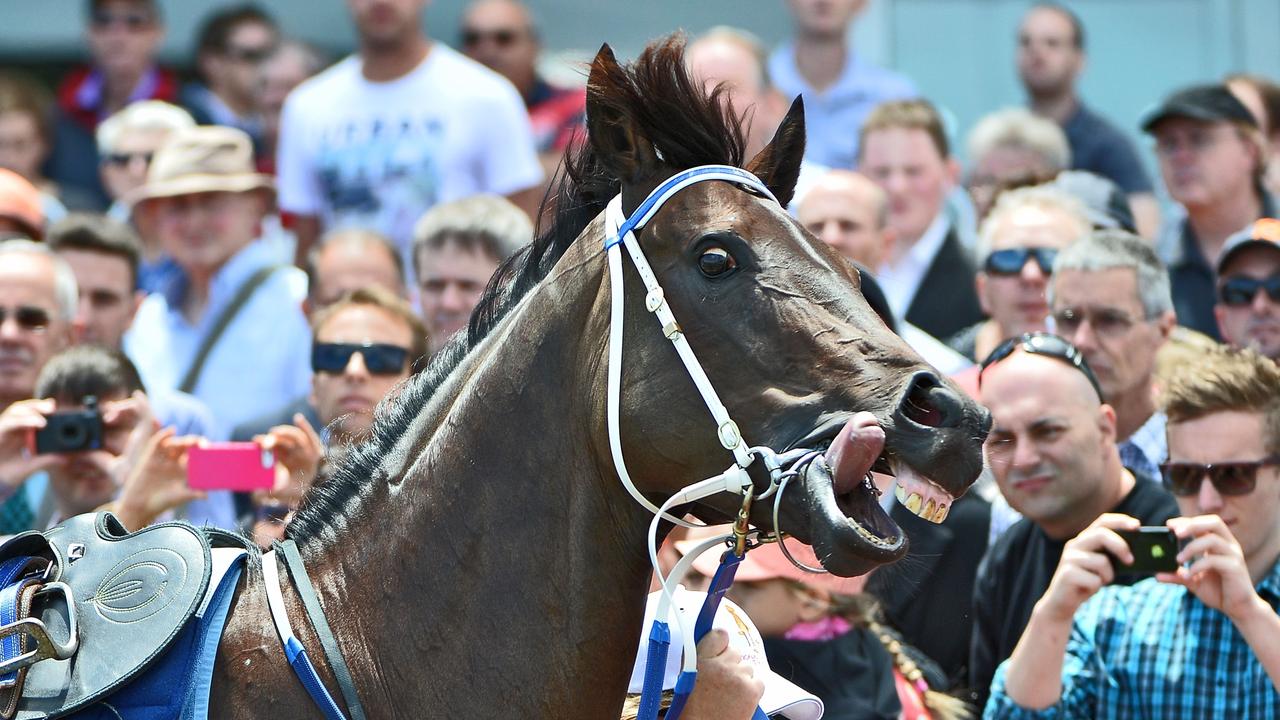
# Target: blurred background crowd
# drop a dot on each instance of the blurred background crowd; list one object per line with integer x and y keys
{"x": 251, "y": 222}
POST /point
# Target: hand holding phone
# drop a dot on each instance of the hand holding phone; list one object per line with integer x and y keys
{"x": 1155, "y": 550}
{"x": 230, "y": 466}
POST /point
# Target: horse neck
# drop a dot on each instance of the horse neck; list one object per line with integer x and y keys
{"x": 507, "y": 556}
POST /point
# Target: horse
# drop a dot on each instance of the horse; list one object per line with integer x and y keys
{"x": 477, "y": 556}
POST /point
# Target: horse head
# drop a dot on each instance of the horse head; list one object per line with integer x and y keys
{"x": 779, "y": 324}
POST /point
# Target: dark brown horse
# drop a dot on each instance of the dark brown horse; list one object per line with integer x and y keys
{"x": 478, "y": 557}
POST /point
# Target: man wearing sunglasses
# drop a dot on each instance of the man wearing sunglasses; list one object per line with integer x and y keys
{"x": 1110, "y": 297}
{"x": 231, "y": 44}
{"x": 1018, "y": 243}
{"x": 38, "y": 297}
{"x": 1052, "y": 450}
{"x": 500, "y": 34}
{"x": 365, "y": 344}
{"x": 1248, "y": 309}
{"x": 1198, "y": 642}
{"x": 123, "y": 39}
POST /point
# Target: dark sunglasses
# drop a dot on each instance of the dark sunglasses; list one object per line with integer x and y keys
{"x": 252, "y": 55}
{"x": 133, "y": 21}
{"x": 379, "y": 358}
{"x": 1010, "y": 261}
{"x": 1240, "y": 290}
{"x": 501, "y": 38}
{"x": 1231, "y": 478}
{"x": 28, "y": 317}
{"x": 1042, "y": 343}
{"x": 125, "y": 159}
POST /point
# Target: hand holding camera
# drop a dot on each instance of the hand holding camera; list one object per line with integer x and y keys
{"x": 1087, "y": 565}
{"x": 19, "y": 424}
{"x": 1213, "y": 566}
{"x": 298, "y": 451}
{"x": 157, "y": 482}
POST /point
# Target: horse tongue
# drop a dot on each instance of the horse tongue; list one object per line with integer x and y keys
{"x": 854, "y": 450}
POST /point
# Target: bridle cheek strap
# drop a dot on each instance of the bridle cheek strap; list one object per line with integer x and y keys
{"x": 620, "y": 230}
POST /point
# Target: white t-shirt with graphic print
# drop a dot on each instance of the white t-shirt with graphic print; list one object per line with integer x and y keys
{"x": 378, "y": 154}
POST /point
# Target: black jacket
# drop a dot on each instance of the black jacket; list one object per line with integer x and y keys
{"x": 946, "y": 301}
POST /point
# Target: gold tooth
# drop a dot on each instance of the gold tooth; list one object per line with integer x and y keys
{"x": 927, "y": 512}
{"x": 913, "y": 503}
{"x": 941, "y": 513}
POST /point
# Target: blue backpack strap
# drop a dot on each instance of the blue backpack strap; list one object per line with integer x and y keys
{"x": 10, "y": 612}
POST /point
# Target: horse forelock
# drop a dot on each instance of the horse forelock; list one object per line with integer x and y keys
{"x": 686, "y": 126}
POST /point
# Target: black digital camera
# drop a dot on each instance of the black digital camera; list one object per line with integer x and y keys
{"x": 71, "y": 430}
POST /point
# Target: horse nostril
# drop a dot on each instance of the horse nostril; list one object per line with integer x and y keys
{"x": 929, "y": 403}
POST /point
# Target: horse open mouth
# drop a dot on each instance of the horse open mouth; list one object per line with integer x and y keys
{"x": 849, "y": 529}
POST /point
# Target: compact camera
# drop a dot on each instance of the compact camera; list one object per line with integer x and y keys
{"x": 71, "y": 430}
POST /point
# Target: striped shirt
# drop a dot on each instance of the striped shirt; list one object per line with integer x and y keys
{"x": 1153, "y": 650}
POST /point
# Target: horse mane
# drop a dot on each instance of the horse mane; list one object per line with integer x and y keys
{"x": 686, "y": 126}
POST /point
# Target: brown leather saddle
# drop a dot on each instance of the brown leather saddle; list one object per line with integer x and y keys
{"x": 99, "y": 605}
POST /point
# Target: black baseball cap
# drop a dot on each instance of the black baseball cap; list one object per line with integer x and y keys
{"x": 1210, "y": 103}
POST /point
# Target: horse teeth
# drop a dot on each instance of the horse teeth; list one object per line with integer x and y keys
{"x": 940, "y": 514}
{"x": 913, "y": 503}
{"x": 900, "y": 493}
{"x": 927, "y": 512}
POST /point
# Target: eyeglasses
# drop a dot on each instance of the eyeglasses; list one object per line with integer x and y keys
{"x": 502, "y": 38}
{"x": 379, "y": 358}
{"x": 251, "y": 55}
{"x": 28, "y": 317}
{"x": 1106, "y": 322}
{"x": 122, "y": 159}
{"x": 1198, "y": 139}
{"x": 1010, "y": 261}
{"x": 101, "y": 19}
{"x": 1042, "y": 343}
{"x": 1231, "y": 478}
{"x": 1239, "y": 290}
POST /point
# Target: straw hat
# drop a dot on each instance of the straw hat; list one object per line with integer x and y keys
{"x": 207, "y": 158}
{"x": 20, "y": 202}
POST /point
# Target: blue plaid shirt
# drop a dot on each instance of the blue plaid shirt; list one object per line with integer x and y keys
{"x": 1144, "y": 450}
{"x": 1153, "y": 650}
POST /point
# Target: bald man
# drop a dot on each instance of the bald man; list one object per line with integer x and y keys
{"x": 736, "y": 59}
{"x": 1052, "y": 450}
{"x": 849, "y": 212}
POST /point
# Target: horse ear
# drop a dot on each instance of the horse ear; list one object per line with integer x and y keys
{"x": 778, "y": 164}
{"x": 627, "y": 153}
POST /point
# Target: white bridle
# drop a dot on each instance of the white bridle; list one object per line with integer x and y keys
{"x": 620, "y": 232}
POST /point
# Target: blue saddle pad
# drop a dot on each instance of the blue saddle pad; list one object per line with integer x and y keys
{"x": 177, "y": 685}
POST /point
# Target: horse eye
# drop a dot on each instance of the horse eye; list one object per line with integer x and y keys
{"x": 715, "y": 261}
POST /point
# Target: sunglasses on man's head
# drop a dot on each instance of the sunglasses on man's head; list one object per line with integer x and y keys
{"x": 379, "y": 358}
{"x": 28, "y": 317}
{"x": 501, "y": 38}
{"x": 1232, "y": 478}
{"x": 1239, "y": 290}
{"x": 1010, "y": 261}
{"x": 1042, "y": 343}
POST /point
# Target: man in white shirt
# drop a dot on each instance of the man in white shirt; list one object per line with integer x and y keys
{"x": 384, "y": 135}
{"x": 928, "y": 276}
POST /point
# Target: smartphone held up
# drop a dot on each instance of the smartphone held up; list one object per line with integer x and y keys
{"x": 240, "y": 466}
{"x": 1155, "y": 550}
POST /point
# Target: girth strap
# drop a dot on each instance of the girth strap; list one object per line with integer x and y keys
{"x": 294, "y": 652}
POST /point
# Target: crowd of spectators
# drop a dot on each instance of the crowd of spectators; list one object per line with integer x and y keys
{"x": 263, "y": 253}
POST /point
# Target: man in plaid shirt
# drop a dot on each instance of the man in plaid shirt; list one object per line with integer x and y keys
{"x": 1201, "y": 642}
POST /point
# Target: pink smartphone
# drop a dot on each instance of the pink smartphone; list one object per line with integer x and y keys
{"x": 231, "y": 466}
